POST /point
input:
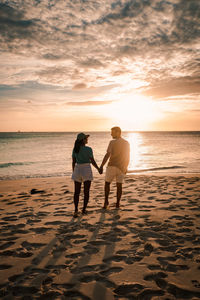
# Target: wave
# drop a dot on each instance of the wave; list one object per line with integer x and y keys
{"x": 45, "y": 175}
{"x": 7, "y": 165}
{"x": 155, "y": 169}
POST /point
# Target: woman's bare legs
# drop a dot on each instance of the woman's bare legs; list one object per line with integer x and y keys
{"x": 87, "y": 185}
{"x": 77, "y": 189}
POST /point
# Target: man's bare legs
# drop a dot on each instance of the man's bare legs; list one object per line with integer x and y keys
{"x": 87, "y": 185}
{"x": 107, "y": 192}
{"x": 119, "y": 194}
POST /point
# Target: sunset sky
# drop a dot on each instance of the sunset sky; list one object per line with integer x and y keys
{"x": 83, "y": 65}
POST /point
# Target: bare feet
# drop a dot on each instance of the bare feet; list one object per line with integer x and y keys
{"x": 106, "y": 205}
{"x": 117, "y": 205}
{"x": 75, "y": 214}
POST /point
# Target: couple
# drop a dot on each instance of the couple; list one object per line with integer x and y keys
{"x": 118, "y": 153}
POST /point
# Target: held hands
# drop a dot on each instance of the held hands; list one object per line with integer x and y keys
{"x": 100, "y": 170}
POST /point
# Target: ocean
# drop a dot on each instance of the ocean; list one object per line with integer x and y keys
{"x": 48, "y": 154}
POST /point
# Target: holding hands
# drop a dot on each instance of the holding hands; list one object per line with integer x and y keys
{"x": 100, "y": 170}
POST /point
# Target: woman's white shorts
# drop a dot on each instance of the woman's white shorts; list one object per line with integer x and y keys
{"x": 82, "y": 172}
{"x": 112, "y": 173}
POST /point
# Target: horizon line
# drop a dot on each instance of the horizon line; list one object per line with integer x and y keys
{"x": 19, "y": 131}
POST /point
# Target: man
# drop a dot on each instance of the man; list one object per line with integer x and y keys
{"x": 118, "y": 153}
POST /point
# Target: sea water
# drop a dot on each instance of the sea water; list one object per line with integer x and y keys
{"x": 48, "y": 154}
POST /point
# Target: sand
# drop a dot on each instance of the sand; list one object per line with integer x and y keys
{"x": 147, "y": 249}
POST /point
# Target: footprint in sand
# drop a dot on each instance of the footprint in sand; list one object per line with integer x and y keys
{"x": 56, "y": 267}
{"x": 116, "y": 258}
{"x": 41, "y": 230}
{"x": 154, "y": 267}
{"x": 163, "y": 242}
{"x": 6, "y": 245}
{"x": 55, "y": 223}
{"x": 80, "y": 241}
{"x": 155, "y": 276}
{"x": 20, "y": 290}
{"x": 130, "y": 201}
{"x": 151, "y": 197}
{"x": 5, "y": 266}
{"x": 98, "y": 243}
{"x": 15, "y": 278}
{"x": 181, "y": 293}
{"x": 91, "y": 249}
{"x": 20, "y": 231}
{"x": 185, "y": 223}
{"x": 10, "y": 219}
{"x": 171, "y": 267}
{"x": 126, "y": 289}
{"x": 89, "y": 278}
{"x": 31, "y": 221}
{"x": 196, "y": 283}
{"x": 105, "y": 281}
{"x": 84, "y": 269}
{"x": 26, "y": 215}
{"x": 74, "y": 255}
{"x": 111, "y": 270}
{"x": 16, "y": 253}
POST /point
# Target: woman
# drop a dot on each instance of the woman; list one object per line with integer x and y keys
{"x": 82, "y": 156}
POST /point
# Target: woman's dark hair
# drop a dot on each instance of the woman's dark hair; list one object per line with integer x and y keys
{"x": 77, "y": 145}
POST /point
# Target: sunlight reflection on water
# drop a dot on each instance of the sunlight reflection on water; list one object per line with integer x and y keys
{"x": 137, "y": 150}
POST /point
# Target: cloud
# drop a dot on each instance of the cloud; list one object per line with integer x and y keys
{"x": 186, "y": 21}
{"x": 13, "y": 20}
{"x": 174, "y": 87}
{"x": 52, "y": 56}
{"x": 31, "y": 91}
{"x": 79, "y": 86}
{"x": 67, "y": 47}
{"x": 88, "y": 103}
{"x": 91, "y": 63}
{"x": 14, "y": 26}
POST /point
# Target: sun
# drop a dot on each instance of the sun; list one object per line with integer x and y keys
{"x": 134, "y": 112}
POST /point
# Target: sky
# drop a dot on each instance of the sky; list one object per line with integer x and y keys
{"x": 84, "y": 65}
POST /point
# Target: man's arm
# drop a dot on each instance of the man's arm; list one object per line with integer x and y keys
{"x": 106, "y": 157}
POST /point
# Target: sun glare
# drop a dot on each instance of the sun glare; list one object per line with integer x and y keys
{"x": 134, "y": 112}
{"x": 134, "y": 140}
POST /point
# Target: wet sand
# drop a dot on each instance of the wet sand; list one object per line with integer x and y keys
{"x": 147, "y": 249}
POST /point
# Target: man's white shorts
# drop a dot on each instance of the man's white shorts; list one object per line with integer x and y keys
{"x": 112, "y": 173}
{"x": 82, "y": 172}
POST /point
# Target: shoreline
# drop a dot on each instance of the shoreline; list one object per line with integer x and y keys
{"x": 38, "y": 180}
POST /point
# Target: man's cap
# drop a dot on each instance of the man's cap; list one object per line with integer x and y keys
{"x": 81, "y": 136}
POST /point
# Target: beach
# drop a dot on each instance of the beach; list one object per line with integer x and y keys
{"x": 147, "y": 249}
